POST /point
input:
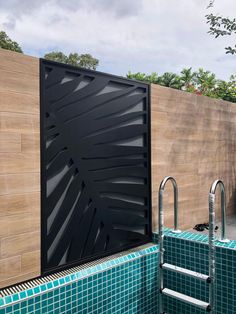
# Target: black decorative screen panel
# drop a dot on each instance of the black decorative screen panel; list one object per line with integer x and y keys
{"x": 95, "y": 165}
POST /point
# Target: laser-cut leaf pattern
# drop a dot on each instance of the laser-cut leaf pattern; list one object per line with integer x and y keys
{"x": 95, "y": 166}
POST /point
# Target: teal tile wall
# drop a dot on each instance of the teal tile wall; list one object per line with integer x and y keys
{"x": 190, "y": 255}
{"x": 190, "y": 250}
{"x": 128, "y": 284}
{"x": 123, "y": 285}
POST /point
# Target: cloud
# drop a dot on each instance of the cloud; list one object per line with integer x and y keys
{"x": 19, "y": 7}
{"x": 117, "y": 8}
{"x": 136, "y": 35}
{"x": 121, "y": 8}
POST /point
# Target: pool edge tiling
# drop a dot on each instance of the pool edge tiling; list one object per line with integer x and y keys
{"x": 194, "y": 237}
{"x": 121, "y": 283}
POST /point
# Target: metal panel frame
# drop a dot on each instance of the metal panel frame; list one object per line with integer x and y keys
{"x": 44, "y": 269}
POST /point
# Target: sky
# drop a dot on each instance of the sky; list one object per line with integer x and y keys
{"x": 137, "y": 35}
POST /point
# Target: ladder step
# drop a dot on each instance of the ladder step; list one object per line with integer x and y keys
{"x": 185, "y": 271}
{"x": 187, "y": 299}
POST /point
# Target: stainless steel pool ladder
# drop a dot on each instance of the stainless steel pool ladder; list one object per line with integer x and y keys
{"x": 209, "y": 279}
{"x": 214, "y": 185}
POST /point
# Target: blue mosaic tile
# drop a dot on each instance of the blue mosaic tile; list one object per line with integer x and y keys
{"x": 194, "y": 237}
{"x": 190, "y": 250}
{"x": 127, "y": 284}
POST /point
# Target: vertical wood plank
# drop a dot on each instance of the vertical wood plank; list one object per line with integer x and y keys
{"x": 19, "y": 168}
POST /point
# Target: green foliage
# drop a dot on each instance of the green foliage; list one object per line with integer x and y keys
{"x": 205, "y": 82}
{"x": 186, "y": 79}
{"x": 170, "y": 79}
{"x": 227, "y": 90}
{"x": 7, "y": 43}
{"x": 221, "y": 26}
{"x": 142, "y": 77}
{"x": 56, "y": 56}
{"x": 152, "y": 78}
{"x": 199, "y": 82}
{"x": 83, "y": 60}
{"x": 87, "y": 61}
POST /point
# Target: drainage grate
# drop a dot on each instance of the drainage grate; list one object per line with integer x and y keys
{"x": 39, "y": 281}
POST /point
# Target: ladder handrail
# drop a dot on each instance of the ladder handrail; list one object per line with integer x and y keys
{"x": 211, "y": 254}
{"x": 211, "y": 238}
{"x": 161, "y": 229}
{"x": 213, "y": 188}
{"x": 161, "y": 192}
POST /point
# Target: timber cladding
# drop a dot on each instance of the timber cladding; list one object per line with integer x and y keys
{"x": 19, "y": 168}
{"x": 193, "y": 139}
